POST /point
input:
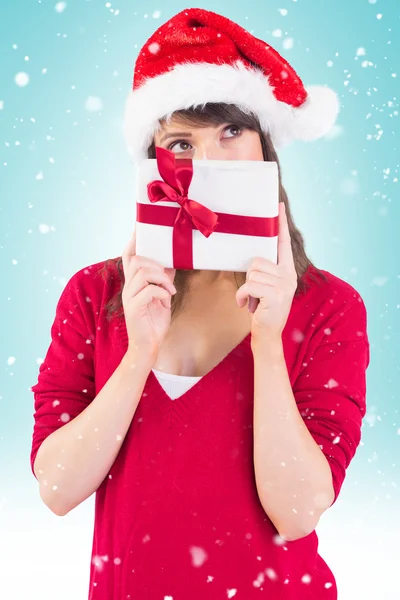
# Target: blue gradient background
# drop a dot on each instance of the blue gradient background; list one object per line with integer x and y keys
{"x": 67, "y": 201}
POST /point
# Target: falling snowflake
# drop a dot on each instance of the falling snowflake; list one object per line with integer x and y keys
{"x": 371, "y": 417}
{"x": 331, "y": 384}
{"x": 259, "y": 581}
{"x": 271, "y": 574}
{"x": 21, "y": 79}
{"x": 98, "y": 563}
{"x": 93, "y": 104}
{"x": 154, "y": 48}
{"x": 297, "y": 335}
{"x": 288, "y": 43}
{"x": 379, "y": 280}
{"x": 60, "y": 7}
{"x": 278, "y": 540}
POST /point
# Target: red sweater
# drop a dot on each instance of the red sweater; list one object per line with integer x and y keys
{"x": 178, "y": 516}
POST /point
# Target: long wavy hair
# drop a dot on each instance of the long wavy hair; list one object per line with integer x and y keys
{"x": 203, "y": 116}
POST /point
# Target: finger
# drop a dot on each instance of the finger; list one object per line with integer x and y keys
{"x": 253, "y": 303}
{"x": 133, "y": 240}
{"x": 145, "y": 277}
{"x": 171, "y": 273}
{"x": 265, "y": 265}
{"x": 285, "y": 253}
{"x": 257, "y": 290}
{"x": 152, "y": 292}
{"x": 128, "y": 252}
{"x": 138, "y": 262}
{"x": 260, "y": 277}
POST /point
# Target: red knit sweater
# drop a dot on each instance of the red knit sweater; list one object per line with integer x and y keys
{"x": 178, "y": 516}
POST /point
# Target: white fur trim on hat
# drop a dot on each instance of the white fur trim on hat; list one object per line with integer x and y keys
{"x": 192, "y": 84}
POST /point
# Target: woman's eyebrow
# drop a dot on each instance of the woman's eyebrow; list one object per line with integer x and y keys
{"x": 176, "y": 133}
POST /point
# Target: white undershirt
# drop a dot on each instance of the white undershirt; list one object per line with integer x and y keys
{"x": 175, "y": 385}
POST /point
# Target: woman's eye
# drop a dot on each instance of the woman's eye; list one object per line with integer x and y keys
{"x": 234, "y": 128}
{"x": 177, "y": 145}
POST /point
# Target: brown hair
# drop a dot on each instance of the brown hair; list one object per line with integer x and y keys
{"x": 203, "y": 116}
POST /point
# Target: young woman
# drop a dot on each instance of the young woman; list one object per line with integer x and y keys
{"x": 215, "y": 437}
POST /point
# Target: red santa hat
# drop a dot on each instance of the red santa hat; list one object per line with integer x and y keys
{"x": 199, "y": 57}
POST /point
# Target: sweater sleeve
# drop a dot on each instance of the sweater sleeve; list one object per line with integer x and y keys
{"x": 66, "y": 383}
{"x": 330, "y": 391}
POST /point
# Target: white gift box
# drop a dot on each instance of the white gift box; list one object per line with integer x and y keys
{"x": 242, "y": 188}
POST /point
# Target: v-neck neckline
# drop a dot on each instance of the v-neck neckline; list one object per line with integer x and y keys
{"x": 153, "y": 380}
{"x": 195, "y": 387}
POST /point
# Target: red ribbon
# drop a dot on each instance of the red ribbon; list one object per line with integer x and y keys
{"x": 177, "y": 175}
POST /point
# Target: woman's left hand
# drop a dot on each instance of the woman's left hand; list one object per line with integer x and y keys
{"x": 273, "y": 284}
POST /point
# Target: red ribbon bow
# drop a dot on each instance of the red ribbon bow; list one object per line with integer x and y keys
{"x": 177, "y": 176}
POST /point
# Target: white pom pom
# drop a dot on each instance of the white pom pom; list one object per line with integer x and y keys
{"x": 317, "y": 115}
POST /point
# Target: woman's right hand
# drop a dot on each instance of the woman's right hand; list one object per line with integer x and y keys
{"x": 146, "y": 298}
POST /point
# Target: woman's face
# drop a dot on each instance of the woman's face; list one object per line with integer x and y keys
{"x": 219, "y": 142}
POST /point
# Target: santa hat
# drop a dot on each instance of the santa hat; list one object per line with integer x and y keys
{"x": 199, "y": 57}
